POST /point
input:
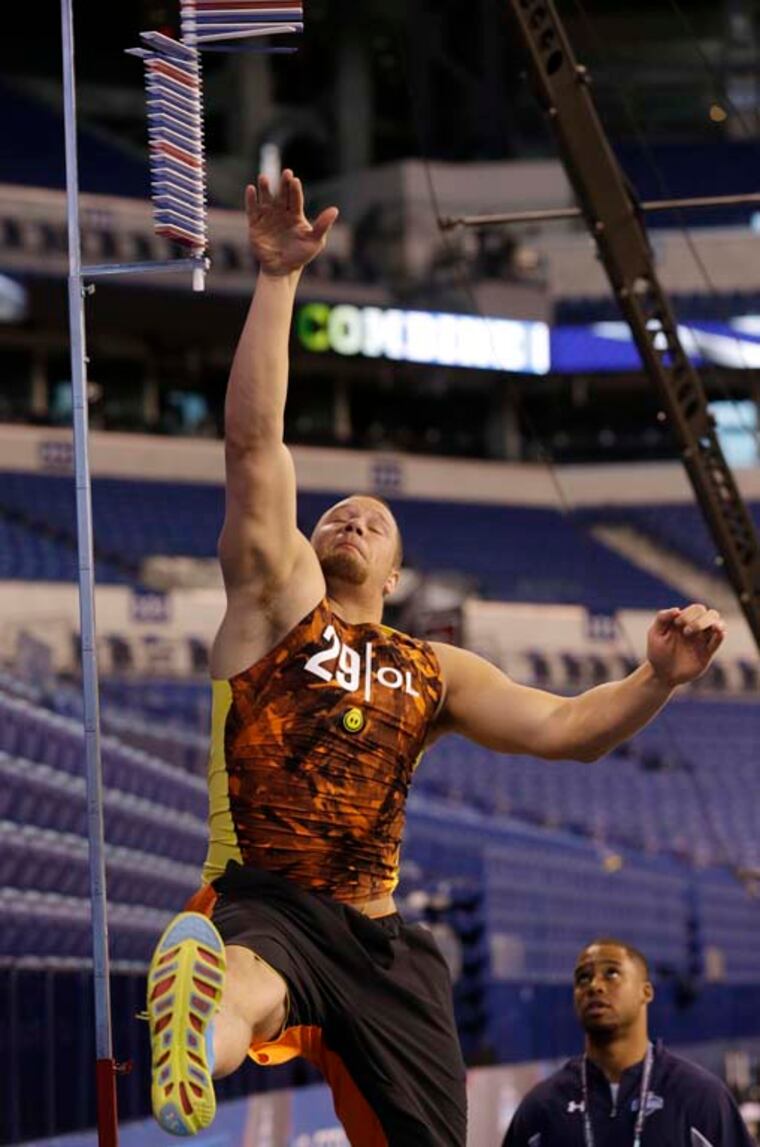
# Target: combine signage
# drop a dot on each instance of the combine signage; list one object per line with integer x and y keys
{"x": 425, "y": 337}
{"x": 511, "y": 345}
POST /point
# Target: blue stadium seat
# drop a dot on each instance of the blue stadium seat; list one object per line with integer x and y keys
{"x": 50, "y": 924}
{"x": 679, "y": 789}
{"x": 543, "y": 555}
{"x": 36, "y": 794}
{"x": 679, "y": 527}
{"x": 36, "y": 734}
{"x": 48, "y": 861}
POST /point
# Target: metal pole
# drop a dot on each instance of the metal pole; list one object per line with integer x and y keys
{"x": 194, "y": 263}
{"x": 105, "y": 1068}
{"x": 553, "y": 214}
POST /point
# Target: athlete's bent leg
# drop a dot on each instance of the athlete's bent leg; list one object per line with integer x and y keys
{"x": 190, "y": 992}
{"x": 253, "y": 1009}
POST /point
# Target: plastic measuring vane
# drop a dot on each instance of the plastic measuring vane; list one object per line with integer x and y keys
{"x": 174, "y": 97}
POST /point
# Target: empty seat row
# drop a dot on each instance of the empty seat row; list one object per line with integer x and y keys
{"x": 45, "y": 860}
{"x": 542, "y": 555}
{"x": 36, "y": 734}
{"x": 47, "y": 923}
{"x": 36, "y": 794}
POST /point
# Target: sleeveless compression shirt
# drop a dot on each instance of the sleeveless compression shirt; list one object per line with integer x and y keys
{"x": 313, "y": 750}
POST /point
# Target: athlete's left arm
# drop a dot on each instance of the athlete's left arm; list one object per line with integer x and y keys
{"x": 484, "y": 704}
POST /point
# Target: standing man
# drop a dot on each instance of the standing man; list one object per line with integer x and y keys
{"x": 320, "y": 714}
{"x": 623, "y": 1091}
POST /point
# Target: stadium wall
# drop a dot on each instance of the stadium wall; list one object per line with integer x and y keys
{"x": 48, "y": 450}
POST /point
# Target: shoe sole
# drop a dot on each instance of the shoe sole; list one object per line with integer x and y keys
{"x": 185, "y": 983}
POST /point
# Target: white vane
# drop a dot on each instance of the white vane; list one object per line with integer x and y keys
{"x": 174, "y": 91}
{"x": 217, "y": 21}
{"x": 175, "y": 133}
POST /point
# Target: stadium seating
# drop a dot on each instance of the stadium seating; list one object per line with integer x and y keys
{"x": 45, "y": 860}
{"x": 553, "y": 850}
{"x": 39, "y": 795}
{"x": 543, "y": 555}
{"x": 675, "y": 526}
{"x": 33, "y": 151}
{"x": 55, "y": 925}
{"x": 729, "y": 924}
{"x": 31, "y": 554}
{"x": 680, "y": 788}
{"x": 35, "y": 734}
{"x": 548, "y": 902}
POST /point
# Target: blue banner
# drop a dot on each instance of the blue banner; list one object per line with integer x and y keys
{"x": 609, "y": 347}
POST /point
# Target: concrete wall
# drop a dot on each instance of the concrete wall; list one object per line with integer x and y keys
{"x": 48, "y": 450}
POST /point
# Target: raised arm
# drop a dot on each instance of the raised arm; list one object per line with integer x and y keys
{"x": 482, "y": 703}
{"x": 260, "y": 543}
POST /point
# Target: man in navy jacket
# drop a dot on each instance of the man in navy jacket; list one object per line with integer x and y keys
{"x": 596, "y": 1099}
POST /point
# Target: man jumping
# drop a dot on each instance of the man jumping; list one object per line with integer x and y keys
{"x": 320, "y": 714}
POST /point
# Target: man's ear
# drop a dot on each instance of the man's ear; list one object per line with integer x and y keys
{"x": 391, "y": 583}
{"x": 648, "y": 992}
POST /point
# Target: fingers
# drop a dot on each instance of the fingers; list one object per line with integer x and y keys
{"x": 289, "y": 193}
{"x": 285, "y": 194}
{"x": 324, "y": 222}
{"x": 706, "y": 623}
{"x": 665, "y": 618}
{"x": 251, "y": 199}
{"x": 715, "y": 639}
{"x": 689, "y": 615}
{"x": 699, "y": 619}
{"x": 291, "y": 189}
{"x": 265, "y": 196}
{"x": 692, "y": 620}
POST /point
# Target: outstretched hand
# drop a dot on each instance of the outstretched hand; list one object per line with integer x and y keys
{"x": 682, "y": 643}
{"x": 282, "y": 238}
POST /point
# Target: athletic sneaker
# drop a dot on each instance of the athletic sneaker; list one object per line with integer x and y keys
{"x": 185, "y": 984}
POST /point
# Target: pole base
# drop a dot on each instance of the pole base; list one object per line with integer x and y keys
{"x": 108, "y": 1124}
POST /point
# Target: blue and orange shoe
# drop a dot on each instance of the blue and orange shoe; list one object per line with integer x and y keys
{"x": 185, "y": 983}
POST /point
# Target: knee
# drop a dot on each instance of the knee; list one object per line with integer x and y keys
{"x": 253, "y": 1009}
{"x": 255, "y": 993}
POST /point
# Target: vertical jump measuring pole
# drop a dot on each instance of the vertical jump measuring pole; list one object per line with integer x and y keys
{"x": 108, "y": 1134}
{"x": 178, "y": 191}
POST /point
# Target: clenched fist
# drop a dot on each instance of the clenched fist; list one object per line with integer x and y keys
{"x": 682, "y": 643}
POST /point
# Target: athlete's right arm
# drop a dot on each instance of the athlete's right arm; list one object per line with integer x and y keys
{"x": 260, "y": 543}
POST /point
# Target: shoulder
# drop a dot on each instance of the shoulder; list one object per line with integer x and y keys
{"x": 467, "y": 679}
{"x": 415, "y": 647}
{"x": 459, "y": 665}
{"x": 450, "y": 655}
{"x": 694, "y": 1086}
{"x": 680, "y": 1072}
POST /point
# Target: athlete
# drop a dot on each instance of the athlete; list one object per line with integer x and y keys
{"x": 624, "y": 1090}
{"x": 293, "y": 945}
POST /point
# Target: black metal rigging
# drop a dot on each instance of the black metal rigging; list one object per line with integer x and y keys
{"x": 614, "y": 217}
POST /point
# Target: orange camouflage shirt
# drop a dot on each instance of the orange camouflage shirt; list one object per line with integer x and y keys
{"x": 313, "y": 752}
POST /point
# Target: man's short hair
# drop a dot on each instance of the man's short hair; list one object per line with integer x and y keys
{"x": 633, "y": 953}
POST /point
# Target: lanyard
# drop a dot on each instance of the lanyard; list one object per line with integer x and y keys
{"x": 588, "y": 1130}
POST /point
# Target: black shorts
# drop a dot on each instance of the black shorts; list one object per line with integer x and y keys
{"x": 379, "y": 994}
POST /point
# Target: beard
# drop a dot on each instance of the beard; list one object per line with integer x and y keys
{"x": 345, "y": 565}
{"x": 603, "y": 1028}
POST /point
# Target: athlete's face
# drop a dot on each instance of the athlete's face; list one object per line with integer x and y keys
{"x": 356, "y": 541}
{"x": 610, "y": 990}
